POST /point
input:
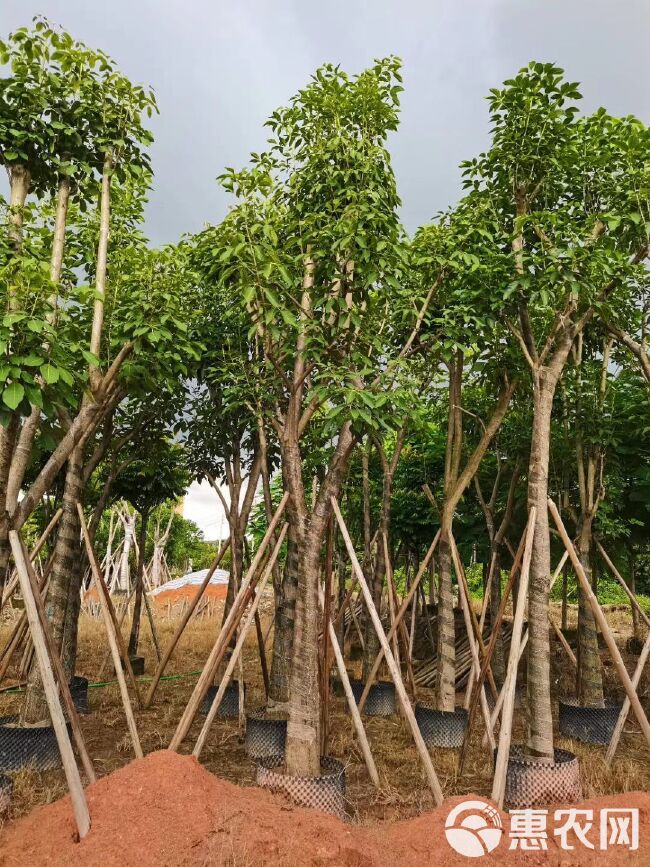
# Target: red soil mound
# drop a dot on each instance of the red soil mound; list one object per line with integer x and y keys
{"x": 212, "y": 592}
{"x": 168, "y": 810}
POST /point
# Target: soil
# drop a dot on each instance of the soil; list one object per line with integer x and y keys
{"x": 166, "y": 809}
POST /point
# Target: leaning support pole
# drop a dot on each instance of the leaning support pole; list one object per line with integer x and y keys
{"x": 496, "y": 626}
{"x": 118, "y": 651}
{"x": 633, "y": 600}
{"x": 434, "y": 784}
{"x": 236, "y": 654}
{"x": 33, "y": 554}
{"x": 398, "y": 619}
{"x": 23, "y": 563}
{"x": 227, "y": 630}
{"x": 466, "y": 605}
{"x": 352, "y": 705}
{"x": 505, "y": 732}
{"x": 601, "y": 620}
{"x": 181, "y": 626}
{"x": 79, "y": 804}
{"x": 622, "y": 717}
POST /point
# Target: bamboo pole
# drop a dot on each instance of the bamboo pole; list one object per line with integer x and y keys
{"x": 78, "y": 798}
{"x": 633, "y": 600}
{"x": 434, "y": 784}
{"x": 601, "y": 620}
{"x": 225, "y": 634}
{"x": 352, "y": 705}
{"x": 398, "y": 618}
{"x": 496, "y": 710}
{"x": 112, "y": 629}
{"x": 162, "y": 665}
{"x": 401, "y": 628}
{"x": 33, "y": 554}
{"x": 505, "y": 732}
{"x": 622, "y": 717}
{"x": 236, "y": 654}
{"x": 466, "y": 605}
{"x": 496, "y": 626}
{"x": 460, "y": 574}
{"x": 22, "y": 563}
{"x": 120, "y": 621}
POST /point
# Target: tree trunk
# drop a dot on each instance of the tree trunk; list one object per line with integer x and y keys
{"x": 540, "y": 721}
{"x": 7, "y": 443}
{"x": 285, "y": 613}
{"x": 446, "y": 647}
{"x": 303, "y": 729}
{"x": 134, "y": 637}
{"x": 565, "y": 597}
{"x": 636, "y": 631}
{"x": 64, "y": 583}
{"x": 589, "y": 676}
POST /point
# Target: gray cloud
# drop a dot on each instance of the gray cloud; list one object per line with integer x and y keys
{"x": 220, "y": 68}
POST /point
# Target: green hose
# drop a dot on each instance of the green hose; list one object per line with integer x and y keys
{"x": 103, "y": 683}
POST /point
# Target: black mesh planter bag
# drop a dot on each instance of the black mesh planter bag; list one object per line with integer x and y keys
{"x": 593, "y": 725}
{"x": 326, "y": 793}
{"x": 533, "y": 783}
{"x": 137, "y": 665}
{"x": 381, "y": 697}
{"x": 266, "y": 733}
{"x": 33, "y": 746}
{"x": 441, "y": 728}
{"x": 229, "y": 707}
{"x": 6, "y": 794}
{"x": 79, "y": 693}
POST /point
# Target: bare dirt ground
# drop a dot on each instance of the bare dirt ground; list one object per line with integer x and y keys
{"x": 402, "y": 794}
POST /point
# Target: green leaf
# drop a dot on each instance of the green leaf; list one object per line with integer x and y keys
{"x": 50, "y": 373}
{"x": 13, "y": 394}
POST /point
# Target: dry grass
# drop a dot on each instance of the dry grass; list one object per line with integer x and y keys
{"x": 403, "y": 791}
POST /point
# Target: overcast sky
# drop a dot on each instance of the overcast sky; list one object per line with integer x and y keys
{"x": 220, "y": 67}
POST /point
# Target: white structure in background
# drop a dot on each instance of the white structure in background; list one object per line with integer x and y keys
{"x": 192, "y": 579}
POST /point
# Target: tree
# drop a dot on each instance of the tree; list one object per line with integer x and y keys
{"x": 562, "y": 192}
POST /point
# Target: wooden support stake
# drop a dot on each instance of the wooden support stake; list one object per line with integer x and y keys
{"x": 225, "y": 634}
{"x": 505, "y": 732}
{"x": 53, "y": 652}
{"x": 162, "y": 665}
{"x": 434, "y": 784}
{"x": 601, "y": 620}
{"x": 79, "y": 804}
{"x": 33, "y": 554}
{"x": 262, "y": 652}
{"x": 496, "y": 626}
{"x": 118, "y": 651}
{"x": 354, "y": 710}
{"x": 622, "y": 717}
{"x": 633, "y": 600}
{"x": 466, "y": 605}
{"x": 496, "y": 710}
{"x": 401, "y": 628}
{"x": 398, "y": 619}
{"x": 236, "y": 654}
{"x": 460, "y": 574}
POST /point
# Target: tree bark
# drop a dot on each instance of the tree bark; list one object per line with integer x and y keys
{"x": 540, "y": 721}
{"x": 64, "y": 582}
{"x": 303, "y": 729}
{"x": 589, "y": 675}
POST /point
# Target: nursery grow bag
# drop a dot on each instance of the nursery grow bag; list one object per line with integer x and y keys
{"x": 326, "y": 793}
